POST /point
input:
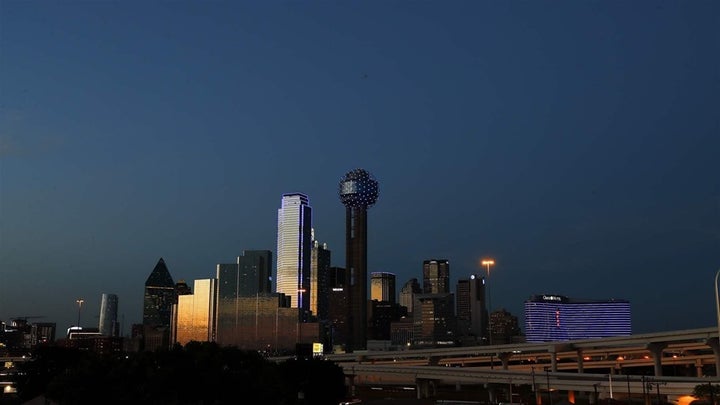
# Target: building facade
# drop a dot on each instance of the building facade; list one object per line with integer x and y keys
{"x": 471, "y": 310}
{"x": 109, "y": 325}
{"x": 159, "y": 298}
{"x": 194, "y": 314}
{"x": 294, "y": 245}
{"x": 407, "y": 294}
{"x": 382, "y": 287}
{"x": 248, "y": 277}
{"x": 505, "y": 327}
{"x": 434, "y": 320}
{"x": 556, "y": 318}
{"x": 319, "y": 280}
{"x": 337, "y": 309}
{"x": 436, "y": 276}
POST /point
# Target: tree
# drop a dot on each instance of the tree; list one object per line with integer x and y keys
{"x": 707, "y": 391}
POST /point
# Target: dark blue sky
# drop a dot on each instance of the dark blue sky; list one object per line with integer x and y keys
{"x": 576, "y": 142}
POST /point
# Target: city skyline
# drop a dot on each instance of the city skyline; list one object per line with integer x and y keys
{"x": 574, "y": 143}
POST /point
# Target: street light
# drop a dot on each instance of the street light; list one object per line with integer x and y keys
{"x": 547, "y": 375}
{"x": 79, "y": 302}
{"x": 487, "y": 263}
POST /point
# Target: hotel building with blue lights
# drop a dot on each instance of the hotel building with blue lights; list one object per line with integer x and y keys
{"x": 550, "y": 318}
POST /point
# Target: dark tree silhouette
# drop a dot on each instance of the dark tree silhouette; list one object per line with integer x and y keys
{"x": 198, "y": 373}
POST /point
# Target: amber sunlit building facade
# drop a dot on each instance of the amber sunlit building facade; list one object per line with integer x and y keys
{"x": 194, "y": 315}
{"x": 263, "y": 322}
{"x": 382, "y": 286}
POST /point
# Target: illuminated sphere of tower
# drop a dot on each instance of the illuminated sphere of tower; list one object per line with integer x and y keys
{"x": 358, "y": 188}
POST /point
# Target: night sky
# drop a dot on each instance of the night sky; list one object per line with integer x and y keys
{"x": 575, "y": 142}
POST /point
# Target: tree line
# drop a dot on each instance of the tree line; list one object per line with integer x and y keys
{"x": 199, "y": 373}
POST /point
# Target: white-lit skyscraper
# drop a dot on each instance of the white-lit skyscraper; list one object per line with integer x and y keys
{"x": 108, "y": 315}
{"x": 294, "y": 245}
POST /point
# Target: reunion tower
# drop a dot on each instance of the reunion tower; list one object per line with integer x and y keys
{"x": 358, "y": 191}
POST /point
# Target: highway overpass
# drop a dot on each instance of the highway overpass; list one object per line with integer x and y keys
{"x": 668, "y": 364}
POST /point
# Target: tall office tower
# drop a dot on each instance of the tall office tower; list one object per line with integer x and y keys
{"x": 294, "y": 247}
{"x": 382, "y": 287}
{"x": 436, "y": 276}
{"x": 434, "y": 320}
{"x": 471, "y": 312}
{"x": 249, "y": 276}
{"x": 109, "y": 325}
{"x": 160, "y": 296}
{"x": 358, "y": 191}
{"x": 254, "y": 272}
{"x": 555, "y": 317}
{"x": 337, "y": 308}
{"x": 408, "y": 292}
{"x": 194, "y": 314}
{"x": 319, "y": 279}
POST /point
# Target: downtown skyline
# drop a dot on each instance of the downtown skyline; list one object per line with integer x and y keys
{"x": 573, "y": 143}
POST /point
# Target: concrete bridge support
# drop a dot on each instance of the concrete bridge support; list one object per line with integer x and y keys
{"x": 714, "y": 344}
{"x": 425, "y": 388}
{"x": 656, "y": 351}
{"x": 580, "y": 360}
{"x": 350, "y": 382}
{"x": 505, "y": 359}
{"x": 698, "y": 368}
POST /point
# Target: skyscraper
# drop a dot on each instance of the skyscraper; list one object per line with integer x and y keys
{"x": 471, "y": 312}
{"x": 382, "y": 286}
{"x": 338, "y": 305}
{"x": 319, "y": 279}
{"x": 195, "y": 313}
{"x": 160, "y": 296}
{"x": 108, "y": 325}
{"x": 434, "y": 319}
{"x": 408, "y": 292}
{"x": 436, "y": 276}
{"x": 248, "y": 277}
{"x": 358, "y": 191}
{"x": 294, "y": 244}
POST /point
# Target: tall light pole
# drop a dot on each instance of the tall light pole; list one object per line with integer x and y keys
{"x": 487, "y": 263}
{"x": 717, "y": 306}
{"x": 79, "y": 302}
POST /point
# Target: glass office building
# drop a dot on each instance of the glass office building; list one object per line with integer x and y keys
{"x": 550, "y": 318}
{"x": 319, "y": 280}
{"x": 195, "y": 313}
{"x": 248, "y": 277}
{"x": 436, "y": 276}
{"x": 382, "y": 286}
{"x": 471, "y": 311}
{"x": 294, "y": 244}
{"x": 434, "y": 320}
{"x": 160, "y": 296}
{"x": 109, "y": 325}
{"x": 408, "y": 292}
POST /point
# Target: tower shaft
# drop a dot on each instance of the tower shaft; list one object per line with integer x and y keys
{"x": 356, "y": 265}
